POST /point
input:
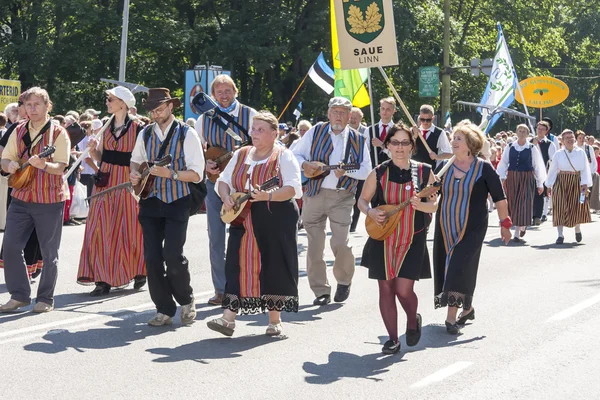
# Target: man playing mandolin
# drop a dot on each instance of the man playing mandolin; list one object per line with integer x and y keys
{"x": 224, "y": 91}
{"x": 164, "y": 213}
{"x": 331, "y": 196}
{"x": 38, "y": 200}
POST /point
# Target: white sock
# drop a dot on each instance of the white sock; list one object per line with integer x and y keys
{"x": 546, "y": 206}
{"x": 517, "y": 230}
{"x": 578, "y": 228}
{"x": 560, "y": 231}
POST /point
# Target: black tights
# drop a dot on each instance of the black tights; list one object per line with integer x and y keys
{"x": 403, "y": 289}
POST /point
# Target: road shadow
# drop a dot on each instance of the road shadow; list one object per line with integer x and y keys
{"x": 3, "y": 288}
{"x": 306, "y": 313}
{"x": 499, "y": 243}
{"x": 114, "y": 334}
{"x": 211, "y": 349}
{"x": 557, "y": 246}
{"x": 586, "y": 282}
{"x": 347, "y": 365}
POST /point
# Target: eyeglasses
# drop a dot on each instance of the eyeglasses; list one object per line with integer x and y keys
{"x": 404, "y": 143}
{"x": 157, "y": 110}
{"x": 109, "y": 99}
{"x": 425, "y": 119}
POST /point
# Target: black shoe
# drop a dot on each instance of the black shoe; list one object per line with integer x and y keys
{"x": 466, "y": 317}
{"x": 560, "y": 240}
{"x": 322, "y": 300}
{"x": 578, "y": 237}
{"x": 414, "y": 335}
{"x": 352, "y": 230}
{"x": 518, "y": 240}
{"x": 544, "y": 218}
{"x": 537, "y": 221}
{"x": 452, "y": 329}
{"x": 101, "y": 289}
{"x": 522, "y": 233}
{"x": 391, "y": 347}
{"x": 139, "y": 282}
{"x": 342, "y": 293}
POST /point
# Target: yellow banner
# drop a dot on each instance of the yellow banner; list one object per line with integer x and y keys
{"x": 542, "y": 92}
{"x": 9, "y": 92}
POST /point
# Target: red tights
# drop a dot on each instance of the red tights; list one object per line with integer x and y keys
{"x": 404, "y": 290}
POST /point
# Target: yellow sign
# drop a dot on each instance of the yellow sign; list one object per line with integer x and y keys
{"x": 9, "y": 92}
{"x": 542, "y": 92}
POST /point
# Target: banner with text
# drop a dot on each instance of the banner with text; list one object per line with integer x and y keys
{"x": 366, "y": 33}
{"x": 9, "y": 92}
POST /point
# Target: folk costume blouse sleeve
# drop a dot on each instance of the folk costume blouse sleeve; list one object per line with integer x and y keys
{"x": 226, "y": 175}
{"x": 538, "y": 166}
{"x": 365, "y": 166}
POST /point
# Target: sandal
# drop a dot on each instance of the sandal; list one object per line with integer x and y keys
{"x": 221, "y": 325}
{"x": 274, "y": 329}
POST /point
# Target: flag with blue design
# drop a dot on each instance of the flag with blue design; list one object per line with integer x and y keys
{"x": 500, "y": 90}
{"x": 448, "y": 122}
{"x": 298, "y": 111}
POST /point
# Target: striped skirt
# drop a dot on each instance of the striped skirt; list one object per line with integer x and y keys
{"x": 566, "y": 208}
{"x": 520, "y": 192}
{"x": 595, "y": 192}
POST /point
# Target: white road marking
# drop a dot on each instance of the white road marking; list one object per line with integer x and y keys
{"x": 442, "y": 374}
{"x": 41, "y": 330}
{"x": 575, "y": 309}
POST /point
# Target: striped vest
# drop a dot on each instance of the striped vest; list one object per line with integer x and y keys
{"x": 168, "y": 190}
{"x": 321, "y": 149}
{"x": 45, "y": 188}
{"x": 215, "y": 136}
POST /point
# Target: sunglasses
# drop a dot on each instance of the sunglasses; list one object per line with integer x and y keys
{"x": 395, "y": 143}
{"x": 425, "y": 119}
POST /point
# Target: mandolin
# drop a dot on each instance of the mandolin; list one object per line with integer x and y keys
{"x": 146, "y": 183}
{"x": 26, "y": 173}
{"x": 241, "y": 207}
{"x": 324, "y": 169}
{"x": 393, "y": 214}
{"x": 221, "y": 156}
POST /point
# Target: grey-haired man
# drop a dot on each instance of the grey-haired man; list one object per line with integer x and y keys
{"x": 331, "y": 197}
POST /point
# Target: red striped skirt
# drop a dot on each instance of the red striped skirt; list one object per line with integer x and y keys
{"x": 566, "y": 208}
{"x": 520, "y": 192}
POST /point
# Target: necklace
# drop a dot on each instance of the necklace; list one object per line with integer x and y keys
{"x": 462, "y": 170}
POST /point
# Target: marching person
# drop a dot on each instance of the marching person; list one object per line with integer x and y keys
{"x": 38, "y": 205}
{"x": 331, "y": 197}
{"x": 112, "y": 255}
{"x": 541, "y": 202}
{"x": 262, "y": 252}
{"x": 568, "y": 180}
{"x": 165, "y": 213}
{"x": 523, "y": 172}
{"x": 461, "y": 224}
{"x": 402, "y": 258}
{"x": 435, "y": 137}
{"x": 587, "y": 149}
{"x": 378, "y": 133}
{"x": 224, "y": 91}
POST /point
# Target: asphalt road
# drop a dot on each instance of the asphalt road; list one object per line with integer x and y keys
{"x": 535, "y": 336}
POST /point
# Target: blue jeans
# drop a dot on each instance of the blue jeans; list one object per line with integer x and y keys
{"x": 216, "y": 237}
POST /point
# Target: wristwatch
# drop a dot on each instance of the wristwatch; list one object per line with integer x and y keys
{"x": 174, "y": 175}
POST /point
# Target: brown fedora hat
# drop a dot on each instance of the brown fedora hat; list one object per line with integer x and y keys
{"x": 158, "y": 96}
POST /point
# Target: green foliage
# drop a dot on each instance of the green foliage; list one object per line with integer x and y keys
{"x": 269, "y": 45}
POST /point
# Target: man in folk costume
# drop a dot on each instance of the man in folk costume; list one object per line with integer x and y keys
{"x": 435, "y": 137}
{"x": 522, "y": 170}
{"x": 378, "y": 132}
{"x": 164, "y": 214}
{"x": 331, "y": 197}
{"x": 38, "y": 205}
{"x": 568, "y": 180}
{"x": 224, "y": 91}
{"x": 541, "y": 202}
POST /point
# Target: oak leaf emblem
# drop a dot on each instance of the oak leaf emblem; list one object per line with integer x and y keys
{"x": 368, "y": 23}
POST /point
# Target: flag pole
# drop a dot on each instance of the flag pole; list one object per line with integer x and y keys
{"x": 292, "y": 98}
{"x": 372, "y": 115}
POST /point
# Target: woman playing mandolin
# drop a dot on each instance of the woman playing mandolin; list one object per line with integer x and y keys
{"x": 261, "y": 267}
{"x": 402, "y": 258}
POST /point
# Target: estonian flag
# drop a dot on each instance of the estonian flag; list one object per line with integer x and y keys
{"x": 298, "y": 111}
{"x": 322, "y": 74}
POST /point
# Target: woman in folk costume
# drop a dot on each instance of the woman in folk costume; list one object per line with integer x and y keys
{"x": 594, "y": 198}
{"x": 402, "y": 258}
{"x": 461, "y": 224}
{"x": 522, "y": 172}
{"x": 568, "y": 180}
{"x": 262, "y": 258}
{"x": 112, "y": 254}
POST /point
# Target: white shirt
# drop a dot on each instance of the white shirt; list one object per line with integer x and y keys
{"x": 561, "y": 163}
{"x": 234, "y": 113}
{"x": 288, "y": 166}
{"x": 551, "y": 149}
{"x": 443, "y": 144}
{"x": 192, "y": 149}
{"x": 590, "y": 151}
{"x": 339, "y": 141}
{"x": 87, "y": 170}
{"x": 554, "y": 141}
{"x": 539, "y": 169}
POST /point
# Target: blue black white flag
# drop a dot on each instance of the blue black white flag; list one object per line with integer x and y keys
{"x": 298, "y": 111}
{"x": 322, "y": 74}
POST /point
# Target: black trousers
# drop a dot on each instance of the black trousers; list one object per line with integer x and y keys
{"x": 164, "y": 227}
{"x": 538, "y": 203}
{"x": 356, "y": 212}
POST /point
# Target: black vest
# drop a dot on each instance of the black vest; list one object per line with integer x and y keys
{"x": 421, "y": 154}
{"x": 544, "y": 146}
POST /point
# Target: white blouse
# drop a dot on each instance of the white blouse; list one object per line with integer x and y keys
{"x": 536, "y": 158}
{"x": 289, "y": 168}
{"x": 561, "y": 163}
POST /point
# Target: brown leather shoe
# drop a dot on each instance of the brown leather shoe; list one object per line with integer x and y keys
{"x": 216, "y": 300}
